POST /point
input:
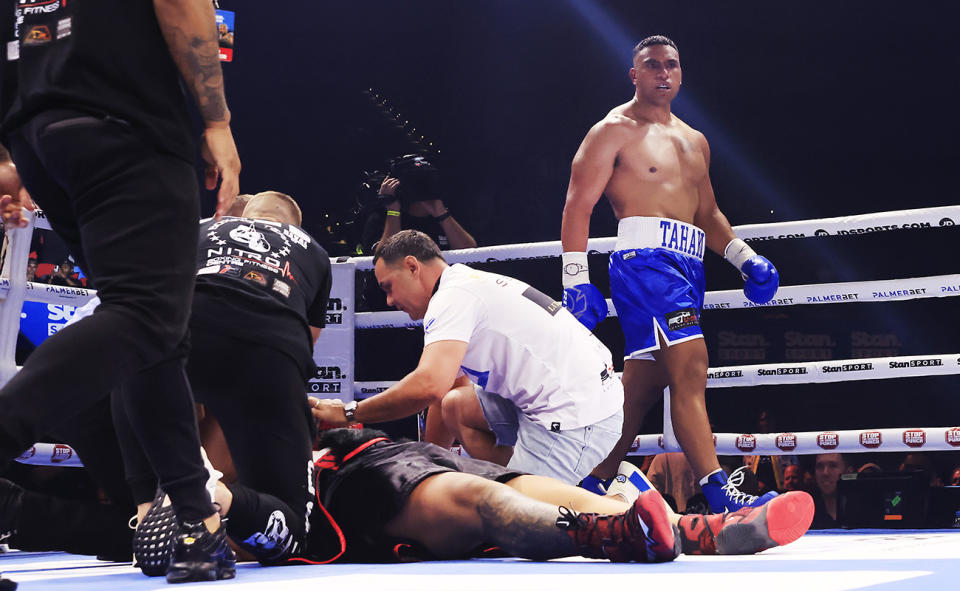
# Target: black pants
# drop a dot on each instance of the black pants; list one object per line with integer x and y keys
{"x": 129, "y": 215}
{"x": 259, "y": 397}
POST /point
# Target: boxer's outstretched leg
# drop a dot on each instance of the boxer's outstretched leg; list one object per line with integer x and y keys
{"x": 452, "y": 513}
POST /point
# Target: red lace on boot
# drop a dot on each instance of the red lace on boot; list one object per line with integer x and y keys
{"x": 643, "y": 533}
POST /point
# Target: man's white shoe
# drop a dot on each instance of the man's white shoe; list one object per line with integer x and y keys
{"x": 628, "y": 483}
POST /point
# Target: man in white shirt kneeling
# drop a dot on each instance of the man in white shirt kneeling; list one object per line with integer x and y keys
{"x": 518, "y": 380}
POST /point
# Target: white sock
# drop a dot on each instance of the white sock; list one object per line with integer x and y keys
{"x": 706, "y": 478}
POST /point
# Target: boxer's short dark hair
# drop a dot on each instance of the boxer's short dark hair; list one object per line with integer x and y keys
{"x": 343, "y": 441}
{"x": 654, "y": 40}
{"x": 407, "y": 243}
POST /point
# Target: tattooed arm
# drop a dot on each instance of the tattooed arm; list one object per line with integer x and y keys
{"x": 189, "y": 27}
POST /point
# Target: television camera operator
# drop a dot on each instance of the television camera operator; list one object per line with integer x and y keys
{"x": 408, "y": 198}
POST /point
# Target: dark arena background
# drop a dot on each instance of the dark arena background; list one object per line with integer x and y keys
{"x": 812, "y": 110}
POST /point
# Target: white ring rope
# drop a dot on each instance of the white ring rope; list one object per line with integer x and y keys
{"x": 52, "y": 294}
{"x": 819, "y": 442}
{"x": 51, "y": 454}
{"x": 938, "y": 286}
{"x": 810, "y": 372}
{"x": 855, "y": 224}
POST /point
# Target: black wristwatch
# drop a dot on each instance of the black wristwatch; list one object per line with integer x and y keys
{"x": 350, "y": 410}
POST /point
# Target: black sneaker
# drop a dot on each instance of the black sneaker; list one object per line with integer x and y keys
{"x": 154, "y": 538}
{"x": 199, "y": 555}
{"x": 7, "y": 584}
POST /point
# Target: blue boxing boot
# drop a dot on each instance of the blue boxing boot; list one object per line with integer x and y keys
{"x": 727, "y": 494}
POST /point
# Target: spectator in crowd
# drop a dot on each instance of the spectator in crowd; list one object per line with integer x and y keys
{"x": 792, "y": 478}
{"x": 32, "y": 269}
{"x": 62, "y": 275}
{"x": 922, "y": 463}
{"x": 769, "y": 470}
{"x": 869, "y": 468}
{"x": 955, "y": 477}
{"x": 828, "y": 469}
{"x": 671, "y": 474}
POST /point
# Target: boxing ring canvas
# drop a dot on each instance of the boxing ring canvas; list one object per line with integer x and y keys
{"x": 831, "y": 560}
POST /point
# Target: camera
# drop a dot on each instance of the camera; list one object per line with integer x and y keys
{"x": 419, "y": 179}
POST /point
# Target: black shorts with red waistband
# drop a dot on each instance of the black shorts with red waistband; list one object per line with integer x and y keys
{"x": 371, "y": 487}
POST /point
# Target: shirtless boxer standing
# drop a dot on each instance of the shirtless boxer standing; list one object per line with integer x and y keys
{"x": 653, "y": 168}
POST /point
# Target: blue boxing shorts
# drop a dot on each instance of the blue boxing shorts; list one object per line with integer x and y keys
{"x": 657, "y": 283}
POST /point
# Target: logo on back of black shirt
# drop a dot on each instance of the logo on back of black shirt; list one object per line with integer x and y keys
{"x": 248, "y": 235}
{"x": 256, "y": 278}
{"x": 37, "y": 35}
{"x": 281, "y": 288}
{"x": 40, "y": 6}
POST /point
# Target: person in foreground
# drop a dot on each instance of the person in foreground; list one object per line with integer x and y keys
{"x": 96, "y": 120}
{"x": 653, "y": 168}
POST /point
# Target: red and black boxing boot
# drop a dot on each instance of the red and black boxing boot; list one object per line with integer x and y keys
{"x": 780, "y": 521}
{"x": 643, "y": 533}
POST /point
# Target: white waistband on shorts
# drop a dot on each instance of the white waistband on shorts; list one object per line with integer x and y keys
{"x": 673, "y": 235}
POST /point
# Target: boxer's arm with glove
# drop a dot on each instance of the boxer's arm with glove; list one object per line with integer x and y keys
{"x": 428, "y": 383}
{"x": 762, "y": 279}
{"x": 591, "y": 170}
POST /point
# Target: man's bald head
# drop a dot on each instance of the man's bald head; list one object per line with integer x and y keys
{"x": 239, "y": 204}
{"x": 274, "y": 205}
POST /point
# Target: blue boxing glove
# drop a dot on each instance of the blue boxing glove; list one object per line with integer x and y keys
{"x": 580, "y": 297}
{"x": 761, "y": 277}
